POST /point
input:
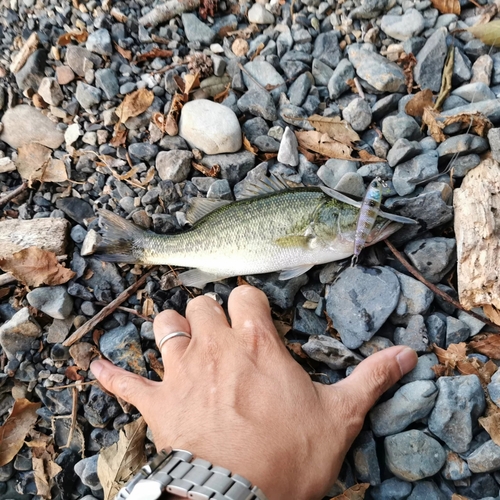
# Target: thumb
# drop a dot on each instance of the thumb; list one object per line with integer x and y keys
{"x": 131, "y": 387}
{"x": 377, "y": 373}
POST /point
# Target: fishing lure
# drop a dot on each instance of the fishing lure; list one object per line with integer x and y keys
{"x": 370, "y": 208}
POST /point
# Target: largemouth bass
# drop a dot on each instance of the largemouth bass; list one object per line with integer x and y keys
{"x": 277, "y": 229}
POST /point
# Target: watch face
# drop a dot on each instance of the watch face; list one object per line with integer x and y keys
{"x": 146, "y": 489}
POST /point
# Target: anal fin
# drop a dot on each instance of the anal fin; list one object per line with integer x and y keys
{"x": 293, "y": 272}
{"x": 198, "y": 278}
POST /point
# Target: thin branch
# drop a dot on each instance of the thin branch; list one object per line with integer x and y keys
{"x": 106, "y": 311}
{"x": 434, "y": 288}
{"x": 76, "y": 385}
{"x": 73, "y": 418}
{"x": 251, "y": 77}
{"x": 12, "y": 194}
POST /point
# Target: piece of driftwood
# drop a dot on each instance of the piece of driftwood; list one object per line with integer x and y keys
{"x": 477, "y": 230}
{"x": 168, "y": 10}
{"x": 48, "y": 234}
{"x": 26, "y": 50}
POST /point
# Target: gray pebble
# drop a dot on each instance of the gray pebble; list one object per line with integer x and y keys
{"x": 360, "y": 301}
{"x": 100, "y": 42}
{"x": 174, "y": 165}
{"x": 414, "y": 335}
{"x": 485, "y": 459}
{"x": 364, "y": 454}
{"x": 459, "y": 404}
{"x": 337, "y": 84}
{"x": 358, "y": 113}
{"x": 53, "y": 301}
{"x": 403, "y": 150}
{"x": 430, "y": 61}
{"x": 87, "y": 95}
{"x": 423, "y": 370}
{"x": 408, "y": 174}
{"x": 412, "y": 402}
{"x": 456, "y": 331}
{"x": 196, "y": 30}
{"x": 455, "y": 468}
{"x": 258, "y": 103}
{"x": 330, "y": 351}
{"x": 413, "y": 455}
{"x": 391, "y": 489}
{"x": 400, "y": 126}
{"x": 333, "y": 170}
{"x": 288, "y": 150}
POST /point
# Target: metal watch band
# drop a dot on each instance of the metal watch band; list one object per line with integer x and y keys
{"x": 177, "y": 472}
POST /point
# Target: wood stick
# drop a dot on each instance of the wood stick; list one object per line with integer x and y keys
{"x": 106, "y": 311}
{"x": 12, "y": 194}
{"x": 167, "y": 11}
{"x": 434, "y": 288}
{"x": 73, "y": 418}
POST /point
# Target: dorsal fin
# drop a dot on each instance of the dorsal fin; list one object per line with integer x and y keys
{"x": 199, "y": 207}
{"x": 263, "y": 185}
{"x": 340, "y": 196}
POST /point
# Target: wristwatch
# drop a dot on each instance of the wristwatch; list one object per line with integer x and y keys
{"x": 177, "y": 472}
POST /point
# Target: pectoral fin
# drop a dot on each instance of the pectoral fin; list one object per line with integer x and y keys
{"x": 340, "y": 196}
{"x": 198, "y": 278}
{"x": 397, "y": 218}
{"x": 293, "y": 272}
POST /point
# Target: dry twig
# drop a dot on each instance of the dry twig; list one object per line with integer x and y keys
{"x": 434, "y": 288}
{"x": 106, "y": 311}
{"x": 12, "y": 194}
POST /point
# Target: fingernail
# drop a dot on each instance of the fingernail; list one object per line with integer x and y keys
{"x": 407, "y": 360}
{"x": 96, "y": 368}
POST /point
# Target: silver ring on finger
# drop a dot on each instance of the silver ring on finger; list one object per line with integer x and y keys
{"x": 171, "y": 336}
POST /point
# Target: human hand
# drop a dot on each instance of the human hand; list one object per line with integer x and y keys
{"x": 233, "y": 395}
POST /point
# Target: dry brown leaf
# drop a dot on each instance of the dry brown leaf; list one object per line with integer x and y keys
{"x": 248, "y": 146}
{"x": 152, "y": 54}
{"x": 369, "y": 158}
{"x": 488, "y": 33}
{"x": 478, "y": 123}
{"x": 356, "y": 492}
{"x": 127, "y": 54}
{"x": 486, "y": 13}
{"x": 323, "y": 144}
{"x": 492, "y": 313}
{"x": 416, "y": 105}
{"x": 34, "y": 267}
{"x": 148, "y": 307}
{"x": 209, "y": 172}
{"x": 77, "y": 36}
{"x": 257, "y": 52}
{"x": 191, "y": 82}
{"x": 222, "y": 95}
{"x": 456, "y": 496}
{"x": 35, "y": 163}
{"x": 435, "y": 127}
{"x": 296, "y": 348}
{"x": 447, "y": 6}
{"x": 450, "y": 356}
{"x": 491, "y": 425}
{"x": 117, "y": 463}
{"x": 335, "y": 127}
{"x": 171, "y": 127}
{"x": 119, "y": 137}
{"x": 156, "y": 365}
{"x": 44, "y": 467}
{"x": 72, "y": 373}
{"x": 134, "y": 104}
{"x": 13, "y": 432}
{"x": 408, "y": 62}
{"x": 490, "y": 346}
{"x": 282, "y": 327}
{"x": 82, "y": 353}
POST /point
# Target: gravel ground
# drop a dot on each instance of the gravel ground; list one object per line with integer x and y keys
{"x": 268, "y": 67}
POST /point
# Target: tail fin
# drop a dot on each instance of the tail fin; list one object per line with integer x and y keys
{"x": 121, "y": 240}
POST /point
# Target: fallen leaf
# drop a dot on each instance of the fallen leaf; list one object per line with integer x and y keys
{"x": 117, "y": 463}
{"x": 191, "y": 82}
{"x": 248, "y": 146}
{"x": 222, "y": 95}
{"x": 490, "y": 346}
{"x": 488, "y": 33}
{"x": 127, "y": 54}
{"x": 134, "y": 104}
{"x": 171, "y": 127}
{"x": 450, "y": 356}
{"x": 258, "y": 50}
{"x": 435, "y": 127}
{"x": 148, "y": 307}
{"x": 152, "y": 54}
{"x": 35, "y": 163}
{"x": 491, "y": 425}
{"x": 369, "y": 158}
{"x": 456, "y": 496}
{"x": 446, "y": 84}
{"x": 77, "y": 36}
{"x": 209, "y": 172}
{"x": 13, "y": 432}
{"x": 34, "y": 267}
{"x": 335, "y": 127}
{"x": 416, "y": 105}
{"x": 492, "y": 313}
{"x": 44, "y": 467}
{"x": 156, "y": 365}
{"x": 408, "y": 61}
{"x": 447, "y": 6}
{"x": 323, "y": 144}
{"x": 119, "y": 137}
{"x": 356, "y": 492}
{"x": 296, "y": 348}
{"x": 486, "y": 13}
{"x": 4, "y": 292}
{"x": 82, "y": 353}
{"x": 477, "y": 122}
{"x": 72, "y": 373}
